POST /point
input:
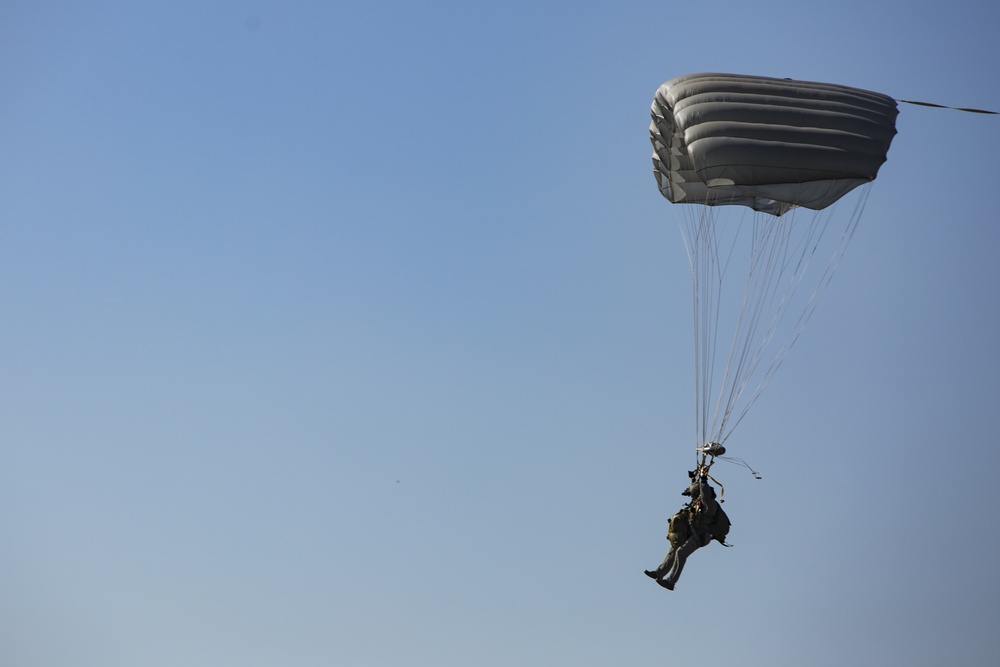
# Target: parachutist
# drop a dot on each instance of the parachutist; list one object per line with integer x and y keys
{"x": 694, "y": 526}
{"x": 722, "y": 141}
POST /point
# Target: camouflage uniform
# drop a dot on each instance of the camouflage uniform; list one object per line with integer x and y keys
{"x": 695, "y": 526}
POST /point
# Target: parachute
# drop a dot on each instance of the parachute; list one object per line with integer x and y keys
{"x": 757, "y": 167}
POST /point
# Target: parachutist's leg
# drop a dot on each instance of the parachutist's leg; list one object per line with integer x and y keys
{"x": 668, "y": 562}
{"x": 665, "y": 566}
{"x": 686, "y": 549}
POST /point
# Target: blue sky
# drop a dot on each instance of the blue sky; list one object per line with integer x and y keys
{"x": 359, "y": 334}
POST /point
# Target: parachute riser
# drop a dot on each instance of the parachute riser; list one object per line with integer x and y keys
{"x": 708, "y": 453}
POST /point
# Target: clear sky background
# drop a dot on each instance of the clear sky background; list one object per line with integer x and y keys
{"x": 359, "y": 334}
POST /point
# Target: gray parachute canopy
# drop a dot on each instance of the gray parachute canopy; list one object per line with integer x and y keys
{"x": 770, "y": 144}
